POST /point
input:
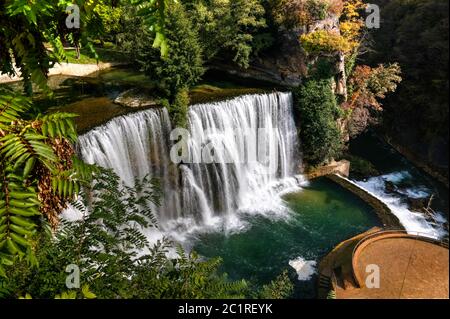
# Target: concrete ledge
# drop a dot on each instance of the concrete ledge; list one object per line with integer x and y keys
{"x": 342, "y": 168}
{"x": 381, "y": 209}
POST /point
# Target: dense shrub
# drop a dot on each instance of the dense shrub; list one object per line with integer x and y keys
{"x": 178, "y": 110}
{"x": 227, "y": 28}
{"x": 280, "y": 288}
{"x": 324, "y": 41}
{"x": 318, "y": 111}
{"x": 105, "y": 243}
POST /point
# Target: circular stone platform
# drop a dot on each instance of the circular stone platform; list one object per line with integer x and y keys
{"x": 409, "y": 267}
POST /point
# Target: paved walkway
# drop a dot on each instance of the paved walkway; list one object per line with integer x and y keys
{"x": 409, "y": 268}
{"x": 70, "y": 69}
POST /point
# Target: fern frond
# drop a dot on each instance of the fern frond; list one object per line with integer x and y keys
{"x": 12, "y": 106}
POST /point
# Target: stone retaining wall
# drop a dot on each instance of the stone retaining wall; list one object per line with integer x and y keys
{"x": 381, "y": 209}
{"x": 342, "y": 168}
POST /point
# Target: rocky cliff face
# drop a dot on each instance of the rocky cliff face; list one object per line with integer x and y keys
{"x": 287, "y": 64}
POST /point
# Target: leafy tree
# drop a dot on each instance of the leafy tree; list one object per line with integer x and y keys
{"x": 317, "y": 110}
{"x": 27, "y": 27}
{"x": 301, "y": 13}
{"x": 107, "y": 21}
{"x": 351, "y": 23}
{"x": 324, "y": 42}
{"x": 368, "y": 86}
{"x": 228, "y": 27}
{"x": 415, "y": 34}
{"x": 154, "y": 13}
{"x": 178, "y": 111}
{"x": 183, "y": 65}
{"x": 371, "y": 84}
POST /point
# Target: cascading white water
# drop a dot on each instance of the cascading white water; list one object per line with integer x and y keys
{"x": 197, "y": 193}
{"x": 414, "y": 222}
{"x": 253, "y": 140}
{"x": 134, "y": 146}
{"x": 234, "y": 134}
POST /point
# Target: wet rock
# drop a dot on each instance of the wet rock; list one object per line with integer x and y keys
{"x": 136, "y": 98}
{"x": 417, "y": 204}
{"x": 390, "y": 187}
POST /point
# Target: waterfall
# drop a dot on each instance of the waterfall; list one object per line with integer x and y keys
{"x": 252, "y": 140}
{"x": 254, "y": 143}
{"x": 135, "y": 146}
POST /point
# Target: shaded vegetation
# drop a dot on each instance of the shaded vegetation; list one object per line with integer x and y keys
{"x": 361, "y": 168}
{"x": 318, "y": 111}
{"x": 415, "y": 34}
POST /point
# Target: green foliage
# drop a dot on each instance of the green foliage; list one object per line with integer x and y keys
{"x": 323, "y": 69}
{"x": 153, "y": 14}
{"x": 228, "y": 27}
{"x": 105, "y": 243}
{"x": 109, "y": 20}
{"x": 26, "y": 27}
{"x": 280, "y": 288}
{"x": 32, "y": 152}
{"x": 361, "y": 168}
{"x": 350, "y": 63}
{"x": 415, "y": 34}
{"x": 70, "y": 294}
{"x": 318, "y": 112}
{"x": 323, "y": 41}
{"x": 178, "y": 110}
{"x": 318, "y": 8}
{"x": 183, "y": 65}
{"x": 332, "y": 295}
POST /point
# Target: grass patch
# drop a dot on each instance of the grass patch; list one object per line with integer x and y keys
{"x": 104, "y": 55}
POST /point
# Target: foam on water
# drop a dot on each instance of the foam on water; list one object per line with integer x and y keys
{"x": 305, "y": 268}
{"x": 414, "y": 222}
{"x": 202, "y": 197}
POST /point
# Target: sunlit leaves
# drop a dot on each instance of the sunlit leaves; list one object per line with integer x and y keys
{"x": 154, "y": 15}
{"x": 59, "y": 125}
{"x": 324, "y": 42}
{"x": 31, "y": 152}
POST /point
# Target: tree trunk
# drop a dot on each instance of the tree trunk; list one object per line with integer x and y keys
{"x": 77, "y": 50}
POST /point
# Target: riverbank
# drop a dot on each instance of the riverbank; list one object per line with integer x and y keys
{"x": 68, "y": 69}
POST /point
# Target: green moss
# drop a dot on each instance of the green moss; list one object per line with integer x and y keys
{"x": 207, "y": 93}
